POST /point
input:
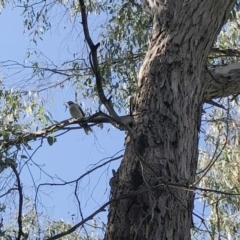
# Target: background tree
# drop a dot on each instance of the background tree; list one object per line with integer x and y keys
{"x": 153, "y": 190}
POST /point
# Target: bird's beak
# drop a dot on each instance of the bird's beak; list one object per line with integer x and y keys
{"x": 67, "y": 104}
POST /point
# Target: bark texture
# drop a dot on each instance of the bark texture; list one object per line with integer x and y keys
{"x": 167, "y": 107}
{"x": 222, "y": 82}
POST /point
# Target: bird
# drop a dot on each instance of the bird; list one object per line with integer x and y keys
{"x": 77, "y": 112}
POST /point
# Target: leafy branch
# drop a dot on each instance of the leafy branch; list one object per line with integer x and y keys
{"x": 26, "y": 136}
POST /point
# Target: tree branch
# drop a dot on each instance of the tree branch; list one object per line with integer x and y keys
{"x": 224, "y": 52}
{"x": 79, "y": 178}
{"x": 8, "y": 191}
{"x": 222, "y": 82}
{"x": 131, "y": 194}
{"x": 99, "y": 117}
{"x": 94, "y": 62}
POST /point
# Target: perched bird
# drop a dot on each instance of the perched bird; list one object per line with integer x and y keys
{"x": 77, "y": 112}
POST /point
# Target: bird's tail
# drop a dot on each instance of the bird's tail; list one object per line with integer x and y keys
{"x": 86, "y": 128}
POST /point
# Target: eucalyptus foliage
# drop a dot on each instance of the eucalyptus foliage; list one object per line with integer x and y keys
{"x": 220, "y": 152}
{"x": 40, "y": 227}
{"x": 123, "y": 32}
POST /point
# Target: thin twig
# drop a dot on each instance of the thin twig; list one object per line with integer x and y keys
{"x": 128, "y": 195}
{"x": 79, "y": 178}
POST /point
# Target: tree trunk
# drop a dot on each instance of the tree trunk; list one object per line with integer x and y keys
{"x": 167, "y": 114}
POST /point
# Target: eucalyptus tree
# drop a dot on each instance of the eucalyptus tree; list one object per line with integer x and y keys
{"x": 162, "y": 56}
{"x": 161, "y": 155}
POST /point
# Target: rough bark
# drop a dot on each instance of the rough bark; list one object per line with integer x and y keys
{"x": 163, "y": 147}
{"x": 222, "y": 82}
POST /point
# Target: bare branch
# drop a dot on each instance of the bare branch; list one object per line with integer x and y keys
{"x": 79, "y": 178}
{"x": 131, "y": 194}
{"x": 94, "y": 61}
{"x": 71, "y": 230}
{"x": 8, "y": 191}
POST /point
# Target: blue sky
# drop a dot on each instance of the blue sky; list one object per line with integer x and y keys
{"x": 74, "y": 152}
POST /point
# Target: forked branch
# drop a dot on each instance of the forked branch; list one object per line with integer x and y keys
{"x": 94, "y": 62}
